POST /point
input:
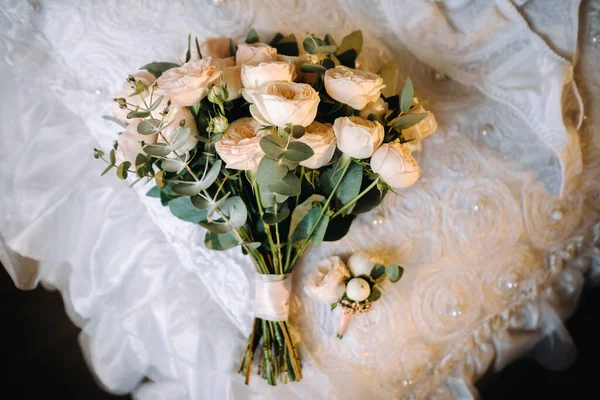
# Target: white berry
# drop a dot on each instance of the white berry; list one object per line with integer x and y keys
{"x": 360, "y": 264}
{"x": 358, "y": 289}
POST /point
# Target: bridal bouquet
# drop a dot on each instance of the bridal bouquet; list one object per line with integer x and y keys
{"x": 269, "y": 148}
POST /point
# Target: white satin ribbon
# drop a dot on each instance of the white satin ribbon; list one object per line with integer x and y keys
{"x": 273, "y": 297}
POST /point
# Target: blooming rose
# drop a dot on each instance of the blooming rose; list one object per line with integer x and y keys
{"x": 297, "y": 61}
{"x": 360, "y": 264}
{"x": 255, "y": 74}
{"x": 240, "y": 145}
{"x": 328, "y": 280}
{"x": 377, "y": 107}
{"x": 129, "y": 143}
{"x": 174, "y": 117}
{"x": 424, "y": 128}
{"x": 215, "y": 47}
{"x": 230, "y": 75}
{"x": 280, "y": 103}
{"x": 257, "y": 52}
{"x": 189, "y": 83}
{"x": 353, "y": 87}
{"x": 396, "y": 166}
{"x": 321, "y": 139}
{"x": 128, "y": 88}
{"x": 358, "y": 137}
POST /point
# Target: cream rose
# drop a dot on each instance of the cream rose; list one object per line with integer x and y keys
{"x": 297, "y": 61}
{"x": 240, "y": 145}
{"x": 189, "y": 83}
{"x": 327, "y": 282}
{"x": 230, "y": 75}
{"x": 321, "y": 139}
{"x": 255, "y": 52}
{"x": 128, "y": 88}
{"x": 424, "y": 128}
{"x": 280, "y": 103}
{"x": 377, "y": 107}
{"x": 353, "y": 87}
{"x": 129, "y": 143}
{"x": 255, "y": 74}
{"x": 358, "y": 137}
{"x": 174, "y": 117}
{"x": 396, "y": 165}
{"x": 214, "y": 47}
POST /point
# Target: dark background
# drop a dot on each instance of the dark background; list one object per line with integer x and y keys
{"x": 40, "y": 355}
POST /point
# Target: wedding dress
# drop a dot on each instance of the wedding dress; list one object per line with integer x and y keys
{"x": 497, "y": 238}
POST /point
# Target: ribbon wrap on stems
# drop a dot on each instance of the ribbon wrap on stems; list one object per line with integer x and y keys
{"x": 273, "y": 296}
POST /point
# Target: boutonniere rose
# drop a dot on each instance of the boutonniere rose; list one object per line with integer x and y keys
{"x": 328, "y": 280}
{"x": 352, "y": 86}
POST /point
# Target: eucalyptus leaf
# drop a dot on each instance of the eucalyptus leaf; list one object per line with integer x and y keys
{"x": 215, "y": 227}
{"x": 272, "y": 145}
{"x": 267, "y": 197}
{"x": 138, "y": 114}
{"x": 149, "y": 126}
{"x": 348, "y": 188}
{"x": 200, "y": 202}
{"x": 252, "y": 245}
{"x": 279, "y": 198}
{"x": 270, "y": 171}
{"x": 328, "y": 63}
{"x": 406, "y": 95}
{"x": 157, "y": 68}
{"x": 374, "y": 296}
{"x": 157, "y": 149}
{"x": 110, "y": 166}
{"x": 140, "y": 161}
{"x": 252, "y": 37}
{"x": 154, "y": 192}
{"x": 298, "y": 151}
{"x": 179, "y": 138}
{"x": 305, "y": 226}
{"x": 270, "y": 218}
{"x": 286, "y": 45}
{"x": 329, "y": 39}
{"x": 188, "y": 53}
{"x": 211, "y": 176}
{"x": 319, "y": 233}
{"x": 288, "y": 186}
{"x": 405, "y": 121}
{"x": 338, "y": 227}
{"x": 156, "y": 103}
{"x": 182, "y": 208}
{"x": 298, "y": 131}
{"x": 378, "y": 271}
{"x": 122, "y": 169}
{"x": 389, "y": 74}
{"x": 158, "y": 178}
{"x": 172, "y": 165}
{"x": 308, "y": 67}
{"x": 198, "y": 49}
{"x": 302, "y": 209}
{"x": 325, "y": 49}
{"x": 185, "y": 189}
{"x": 214, "y": 206}
{"x": 112, "y": 157}
{"x": 394, "y": 272}
{"x": 311, "y": 42}
{"x": 347, "y": 58}
{"x": 214, "y": 241}
{"x": 115, "y": 120}
{"x": 232, "y": 48}
{"x": 235, "y": 211}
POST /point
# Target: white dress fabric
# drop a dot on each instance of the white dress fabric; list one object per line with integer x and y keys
{"x": 497, "y": 238}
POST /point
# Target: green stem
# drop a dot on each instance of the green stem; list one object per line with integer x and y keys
{"x": 278, "y": 241}
{"x": 267, "y": 228}
{"x": 354, "y": 200}
{"x": 323, "y": 211}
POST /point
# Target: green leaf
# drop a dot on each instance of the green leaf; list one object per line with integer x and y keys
{"x": 353, "y": 41}
{"x": 138, "y": 114}
{"x": 156, "y": 103}
{"x": 270, "y": 171}
{"x": 115, "y": 120}
{"x": 279, "y": 198}
{"x": 302, "y": 209}
{"x": 122, "y": 169}
{"x": 406, "y": 95}
{"x": 157, "y": 68}
{"x": 272, "y": 145}
{"x": 179, "y": 138}
{"x": 98, "y": 153}
{"x": 267, "y": 197}
{"x": 298, "y": 151}
{"x": 215, "y": 226}
{"x": 112, "y": 156}
{"x": 158, "y": 178}
{"x": 288, "y": 186}
{"x": 304, "y": 227}
{"x": 328, "y": 63}
{"x": 252, "y": 245}
{"x": 232, "y": 48}
{"x": 193, "y": 188}
{"x": 235, "y": 211}
{"x": 329, "y": 39}
{"x": 270, "y": 218}
{"x": 157, "y": 149}
{"x": 370, "y": 200}
{"x": 182, "y": 208}
{"x": 405, "y": 121}
{"x": 154, "y": 192}
{"x": 347, "y": 58}
{"x": 311, "y": 42}
{"x": 298, "y": 131}
{"x": 252, "y": 37}
{"x": 349, "y": 188}
{"x": 107, "y": 169}
{"x": 308, "y": 67}
{"x": 286, "y": 45}
{"x": 221, "y": 242}
{"x": 377, "y": 271}
{"x": 394, "y": 272}
{"x": 338, "y": 227}
{"x": 173, "y": 165}
{"x": 200, "y": 202}
{"x": 333, "y": 306}
{"x": 140, "y": 161}
{"x": 374, "y": 296}
{"x": 198, "y": 49}
{"x": 149, "y": 126}
{"x": 389, "y": 74}
{"x": 319, "y": 233}
{"x": 325, "y": 49}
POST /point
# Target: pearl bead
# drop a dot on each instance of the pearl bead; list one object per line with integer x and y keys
{"x": 486, "y": 130}
{"x": 596, "y": 38}
{"x": 98, "y": 91}
{"x": 218, "y": 2}
{"x": 378, "y": 219}
{"x": 556, "y": 215}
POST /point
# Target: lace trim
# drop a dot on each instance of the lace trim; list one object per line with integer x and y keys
{"x": 577, "y": 257}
